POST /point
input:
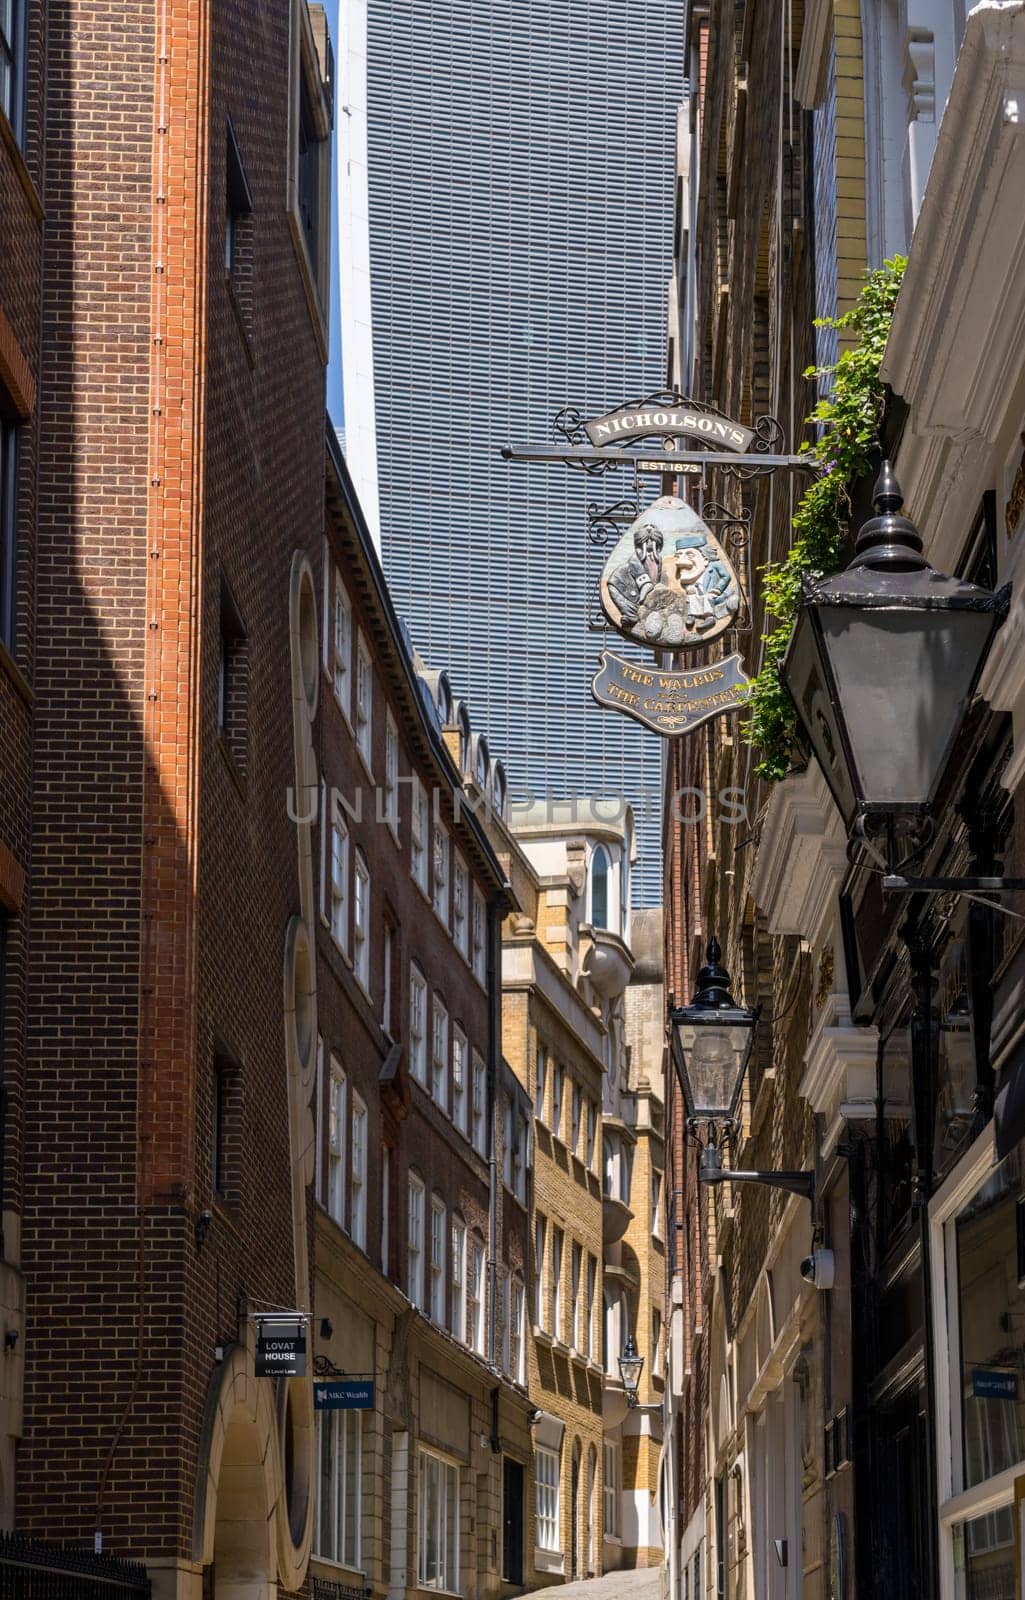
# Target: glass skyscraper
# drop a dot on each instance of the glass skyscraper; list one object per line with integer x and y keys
{"x": 519, "y": 176}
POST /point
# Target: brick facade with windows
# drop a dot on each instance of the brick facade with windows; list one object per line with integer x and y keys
{"x": 421, "y": 1306}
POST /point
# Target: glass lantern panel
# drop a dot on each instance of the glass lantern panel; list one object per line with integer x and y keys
{"x": 807, "y": 687}
{"x": 903, "y": 679}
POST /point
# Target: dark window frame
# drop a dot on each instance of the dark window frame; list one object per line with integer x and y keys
{"x": 12, "y": 67}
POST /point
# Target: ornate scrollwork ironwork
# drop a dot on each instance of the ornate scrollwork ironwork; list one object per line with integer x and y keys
{"x": 324, "y": 1367}
{"x": 569, "y": 425}
{"x": 604, "y": 523}
{"x": 769, "y": 439}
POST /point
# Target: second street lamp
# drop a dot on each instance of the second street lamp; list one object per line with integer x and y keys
{"x": 711, "y": 1046}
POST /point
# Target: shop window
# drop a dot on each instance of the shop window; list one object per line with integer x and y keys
{"x": 438, "y": 1523}
{"x": 336, "y": 1533}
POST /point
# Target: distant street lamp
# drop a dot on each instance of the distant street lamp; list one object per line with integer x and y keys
{"x": 711, "y": 1046}
{"x": 712, "y": 1040}
{"x": 881, "y": 668}
{"x": 631, "y": 1364}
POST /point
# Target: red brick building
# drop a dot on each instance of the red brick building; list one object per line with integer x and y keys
{"x": 162, "y": 357}
{"x": 418, "y": 1239}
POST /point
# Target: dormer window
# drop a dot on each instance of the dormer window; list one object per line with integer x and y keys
{"x": 600, "y": 887}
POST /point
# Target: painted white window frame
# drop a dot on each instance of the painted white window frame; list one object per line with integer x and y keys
{"x": 540, "y": 1082}
{"x": 589, "y": 1299}
{"x": 358, "y": 1172}
{"x": 415, "y": 1192}
{"x": 547, "y": 1534}
{"x": 612, "y": 1490}
{"x": 341, "y": 646}
{"x": 558, "y": 1252}
{"x": 338, "y": 912}
{"x": 476, "y": 1293}
{"x": 576, "y": 1272}
{"x": 457, "y": 1279}
{"x": 439, "y": 1053}
{"x": 479, "y": 939}
{"x": 385, "y": 1208}
{"x": 460, "y": 1075}
{"x": 391, "y": 774}
{"x": 361, "y": 920}
{"x": 540, "y": 1252}
{"x": 440, "y": 860}
{"x": 419, "y": 829}
{"x": 656, "y": 1204}
{"x": 337, "y": 1119}
{"x": 478, "y": 1104}
{"x": 517, "y": 1306}
{"x": 460, "y": 905}
{"x": 436, "y": 1295}
{"x": 364, "y": 707}
{"x": 417, "y": 1024}
{"x": 558, "y": 1095}
{"x": 575, "y": 1099}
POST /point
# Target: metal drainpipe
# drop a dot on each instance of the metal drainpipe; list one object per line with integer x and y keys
{"x": 496, "y": 909}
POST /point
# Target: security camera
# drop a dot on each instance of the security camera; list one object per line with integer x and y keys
{"x": 534, "y": 1417}
{"x": 819, "y": 1268}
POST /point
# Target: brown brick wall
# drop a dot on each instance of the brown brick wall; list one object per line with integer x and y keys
{"x": 161, "y": 887}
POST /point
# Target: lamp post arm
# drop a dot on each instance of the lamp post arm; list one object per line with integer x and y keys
{"x": 802, "y": 1183}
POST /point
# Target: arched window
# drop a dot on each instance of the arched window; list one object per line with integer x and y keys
{"x": 600, "y": 887}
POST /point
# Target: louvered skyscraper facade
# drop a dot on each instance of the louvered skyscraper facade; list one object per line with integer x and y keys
{"x": 519, "y": 175}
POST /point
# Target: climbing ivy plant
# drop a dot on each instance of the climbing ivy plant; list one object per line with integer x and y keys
{"x": 848, "y": 421}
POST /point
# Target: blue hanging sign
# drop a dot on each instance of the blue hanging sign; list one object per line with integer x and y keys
{"x": 988, "y": 1384}
{"x": 343, "y": 1394}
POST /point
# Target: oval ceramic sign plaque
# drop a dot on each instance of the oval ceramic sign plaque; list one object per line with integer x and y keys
{"x": 668, "y": 583}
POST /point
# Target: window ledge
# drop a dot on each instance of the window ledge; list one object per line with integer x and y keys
{"x": 364, "y": 763}
{"x": 543, "y": 1338}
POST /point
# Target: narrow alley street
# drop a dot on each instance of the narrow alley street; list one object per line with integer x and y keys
{"x": 642, "y": 1584}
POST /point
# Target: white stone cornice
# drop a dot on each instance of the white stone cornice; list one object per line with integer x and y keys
{"x": 956, "y": 347}
{"x": 801, "y": 858}
{"x": 840, "y": 1070}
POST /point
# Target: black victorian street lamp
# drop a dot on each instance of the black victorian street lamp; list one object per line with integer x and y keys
{"x": 631, "y": 1364}
{"x": 711, "y": 1044}
{"x": 883, "y": 662}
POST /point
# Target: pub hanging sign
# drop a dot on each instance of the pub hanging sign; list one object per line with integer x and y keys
{"x": 669, "y": 584}
{"x": 670, "y": 702}
{"x": 281, "y": 1347}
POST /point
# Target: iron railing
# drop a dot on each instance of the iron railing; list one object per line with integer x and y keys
{"x": 33, "y": 1570}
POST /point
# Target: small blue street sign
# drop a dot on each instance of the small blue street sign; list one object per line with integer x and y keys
{"x": 990, "y": 1385}
{"x": 344, "y": 1394}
